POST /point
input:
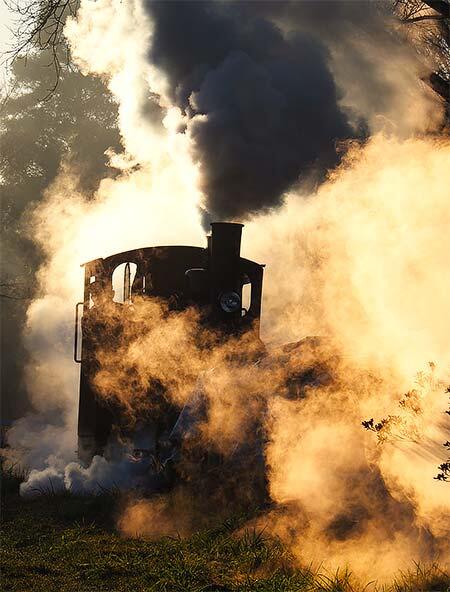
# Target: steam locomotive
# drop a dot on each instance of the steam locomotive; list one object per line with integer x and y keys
{"x": 223, "y": 286}
{"x": 226, "y": 290}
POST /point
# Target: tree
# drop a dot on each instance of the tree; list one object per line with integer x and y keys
{"x": 74, "y": 125}
{"x": 444, "y": 468}
{"x": 429, "y": 23}
{"x": 403, "y": 426}
{"x": 39, "y": 25}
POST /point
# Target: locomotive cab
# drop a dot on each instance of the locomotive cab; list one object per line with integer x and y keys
{"x": 214, "y": 279}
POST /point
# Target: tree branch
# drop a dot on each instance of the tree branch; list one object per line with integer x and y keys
{"x": 440, "y": 6}
{"x": 425, "y": 17}
{"x": 440, "y": 86}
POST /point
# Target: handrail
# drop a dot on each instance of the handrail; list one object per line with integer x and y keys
{"x": 75, "y": 344}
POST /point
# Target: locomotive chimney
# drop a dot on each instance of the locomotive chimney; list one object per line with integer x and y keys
{"x": 224, "y": 265}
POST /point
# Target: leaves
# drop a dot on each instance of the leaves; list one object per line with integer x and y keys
{"x": 74, "y": 128}
{"x": 396, "y": 427}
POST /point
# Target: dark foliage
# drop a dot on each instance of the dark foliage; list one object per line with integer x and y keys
{"x": 444, "y": 468}
{"x": 75, "y": 126}
{"x": 390, "y": 428}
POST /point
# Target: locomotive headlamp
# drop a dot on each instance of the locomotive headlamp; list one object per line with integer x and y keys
{"x": 230, "y": 301}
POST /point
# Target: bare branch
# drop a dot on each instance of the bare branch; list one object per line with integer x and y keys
{"x": 15, "y": 291}
{"x": 425, "y": 17}
{"x": 39, "y": 25}
{"x": 10, "y": 297}
{"x": 440, "y": 6}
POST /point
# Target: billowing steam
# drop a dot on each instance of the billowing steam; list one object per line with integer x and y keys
{"x": 279, "y": 88}
{"x": 235, "y": 107}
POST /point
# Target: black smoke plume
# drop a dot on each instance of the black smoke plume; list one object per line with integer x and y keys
{"x": 262, "y": 104}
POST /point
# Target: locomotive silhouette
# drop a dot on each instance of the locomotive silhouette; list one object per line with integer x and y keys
{"x": 158, "y": 451}
{"x": 212, "y": 279}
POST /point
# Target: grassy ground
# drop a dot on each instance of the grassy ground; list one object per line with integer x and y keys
{"x": 66, "y": 543}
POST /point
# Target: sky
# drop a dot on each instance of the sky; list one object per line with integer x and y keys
{"x": 6, "y": 37}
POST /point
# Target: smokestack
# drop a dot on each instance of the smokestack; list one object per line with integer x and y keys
{"x": 226, "y": 281}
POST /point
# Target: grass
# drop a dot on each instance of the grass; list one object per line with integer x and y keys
{"x": 67, "y": 543}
